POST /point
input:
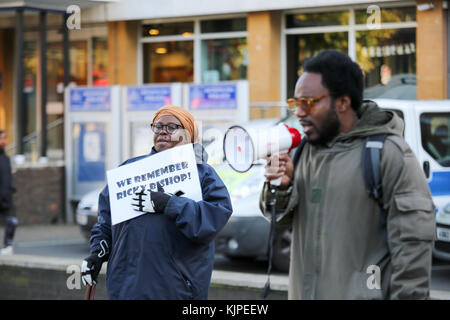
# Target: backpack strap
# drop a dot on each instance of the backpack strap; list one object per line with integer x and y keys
{"x": 371, "y": 166}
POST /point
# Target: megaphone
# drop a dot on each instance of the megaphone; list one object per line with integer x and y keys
{"x": 243, "y": 147}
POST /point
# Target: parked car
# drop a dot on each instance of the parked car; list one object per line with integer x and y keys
{"x": 86, "y": 213}
{"x": 246, "y": 234}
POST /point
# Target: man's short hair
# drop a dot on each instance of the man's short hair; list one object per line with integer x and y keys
{"x": 1, "y": 131}
{"x": 340, "y": 75}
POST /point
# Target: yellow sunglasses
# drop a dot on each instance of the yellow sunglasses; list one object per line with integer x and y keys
{"x": 305, "y": 103}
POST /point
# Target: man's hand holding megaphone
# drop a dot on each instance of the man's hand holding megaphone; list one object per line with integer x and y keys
{"x": 280, "y": 166}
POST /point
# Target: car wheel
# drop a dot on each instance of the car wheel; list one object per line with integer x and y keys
{"x": 282, "y": 249}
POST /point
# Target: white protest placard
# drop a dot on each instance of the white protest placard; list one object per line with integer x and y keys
{"x": 174, "y": 170}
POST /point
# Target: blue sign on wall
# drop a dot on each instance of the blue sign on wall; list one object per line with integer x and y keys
{"x": 207, "y": 97}
{"x": 148, "y": 98}
{"x": 90, "y": 99}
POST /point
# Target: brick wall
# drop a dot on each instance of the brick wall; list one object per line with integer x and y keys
{"x": 40, "y": 195}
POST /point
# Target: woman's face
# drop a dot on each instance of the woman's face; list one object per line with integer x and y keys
{"x": 164, "y": 140}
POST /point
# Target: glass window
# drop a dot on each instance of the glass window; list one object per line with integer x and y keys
{"x": 55, "y": 85}
{"x": 302, "y": 47}
{"x": 29, "y": 87}
{"x": 89, "y": 147}
{"x": 55, "y": 72}
{"x": 78, "y": 62}
{"x": 224, "y": 59}
{"x": 388, "y": 60}
{"x": 55, "y": 67}
{"x": 303, "y": 20}
{"x": 168, "y": 29}
{"x": 435, "y": 136}
{"x": 406, "y": 14}
{"x": 99, "y": 62}
{"x": 171, "y": 61}
{"x": 55, "y": 94}
{"x": 30, "y": 20}
{"x": 223, "y": 25}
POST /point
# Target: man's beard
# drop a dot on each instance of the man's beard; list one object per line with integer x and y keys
{"x": 330, "y": 127}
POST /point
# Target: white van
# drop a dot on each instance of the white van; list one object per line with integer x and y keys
{"x": 427, "y": 133}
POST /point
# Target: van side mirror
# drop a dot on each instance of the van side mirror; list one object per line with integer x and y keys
{"x": 426, "y": 168}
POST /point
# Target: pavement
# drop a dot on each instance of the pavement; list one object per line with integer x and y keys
{"x": 56, "y": 247}
{"x": 29, "y": 238}
{"x": 49, "y": 233}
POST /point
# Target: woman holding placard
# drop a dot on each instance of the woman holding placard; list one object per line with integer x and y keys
{"x": 166, "y": 250}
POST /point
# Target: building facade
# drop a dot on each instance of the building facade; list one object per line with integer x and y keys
{"x": 401, "y": 46}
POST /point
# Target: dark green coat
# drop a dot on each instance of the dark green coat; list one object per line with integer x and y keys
{"x": 337, "y": 240}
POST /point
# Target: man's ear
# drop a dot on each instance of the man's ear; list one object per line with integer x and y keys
{"x": 343, "y": 104}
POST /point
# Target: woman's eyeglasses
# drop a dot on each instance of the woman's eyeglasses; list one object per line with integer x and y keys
{"x": 305, "y": 103}
{"x": 170, "y": 127}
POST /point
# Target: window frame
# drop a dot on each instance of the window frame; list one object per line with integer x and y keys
{"x": 351, "y": 28}
{"x": 197, "y": 37}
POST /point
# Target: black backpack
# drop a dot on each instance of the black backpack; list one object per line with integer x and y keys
{"x": 371, "y": 167}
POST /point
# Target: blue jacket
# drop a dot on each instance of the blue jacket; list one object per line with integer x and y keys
{"x": 169, "y": 255}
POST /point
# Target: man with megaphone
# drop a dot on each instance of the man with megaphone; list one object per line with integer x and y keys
{"x": 346, "y": 244}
